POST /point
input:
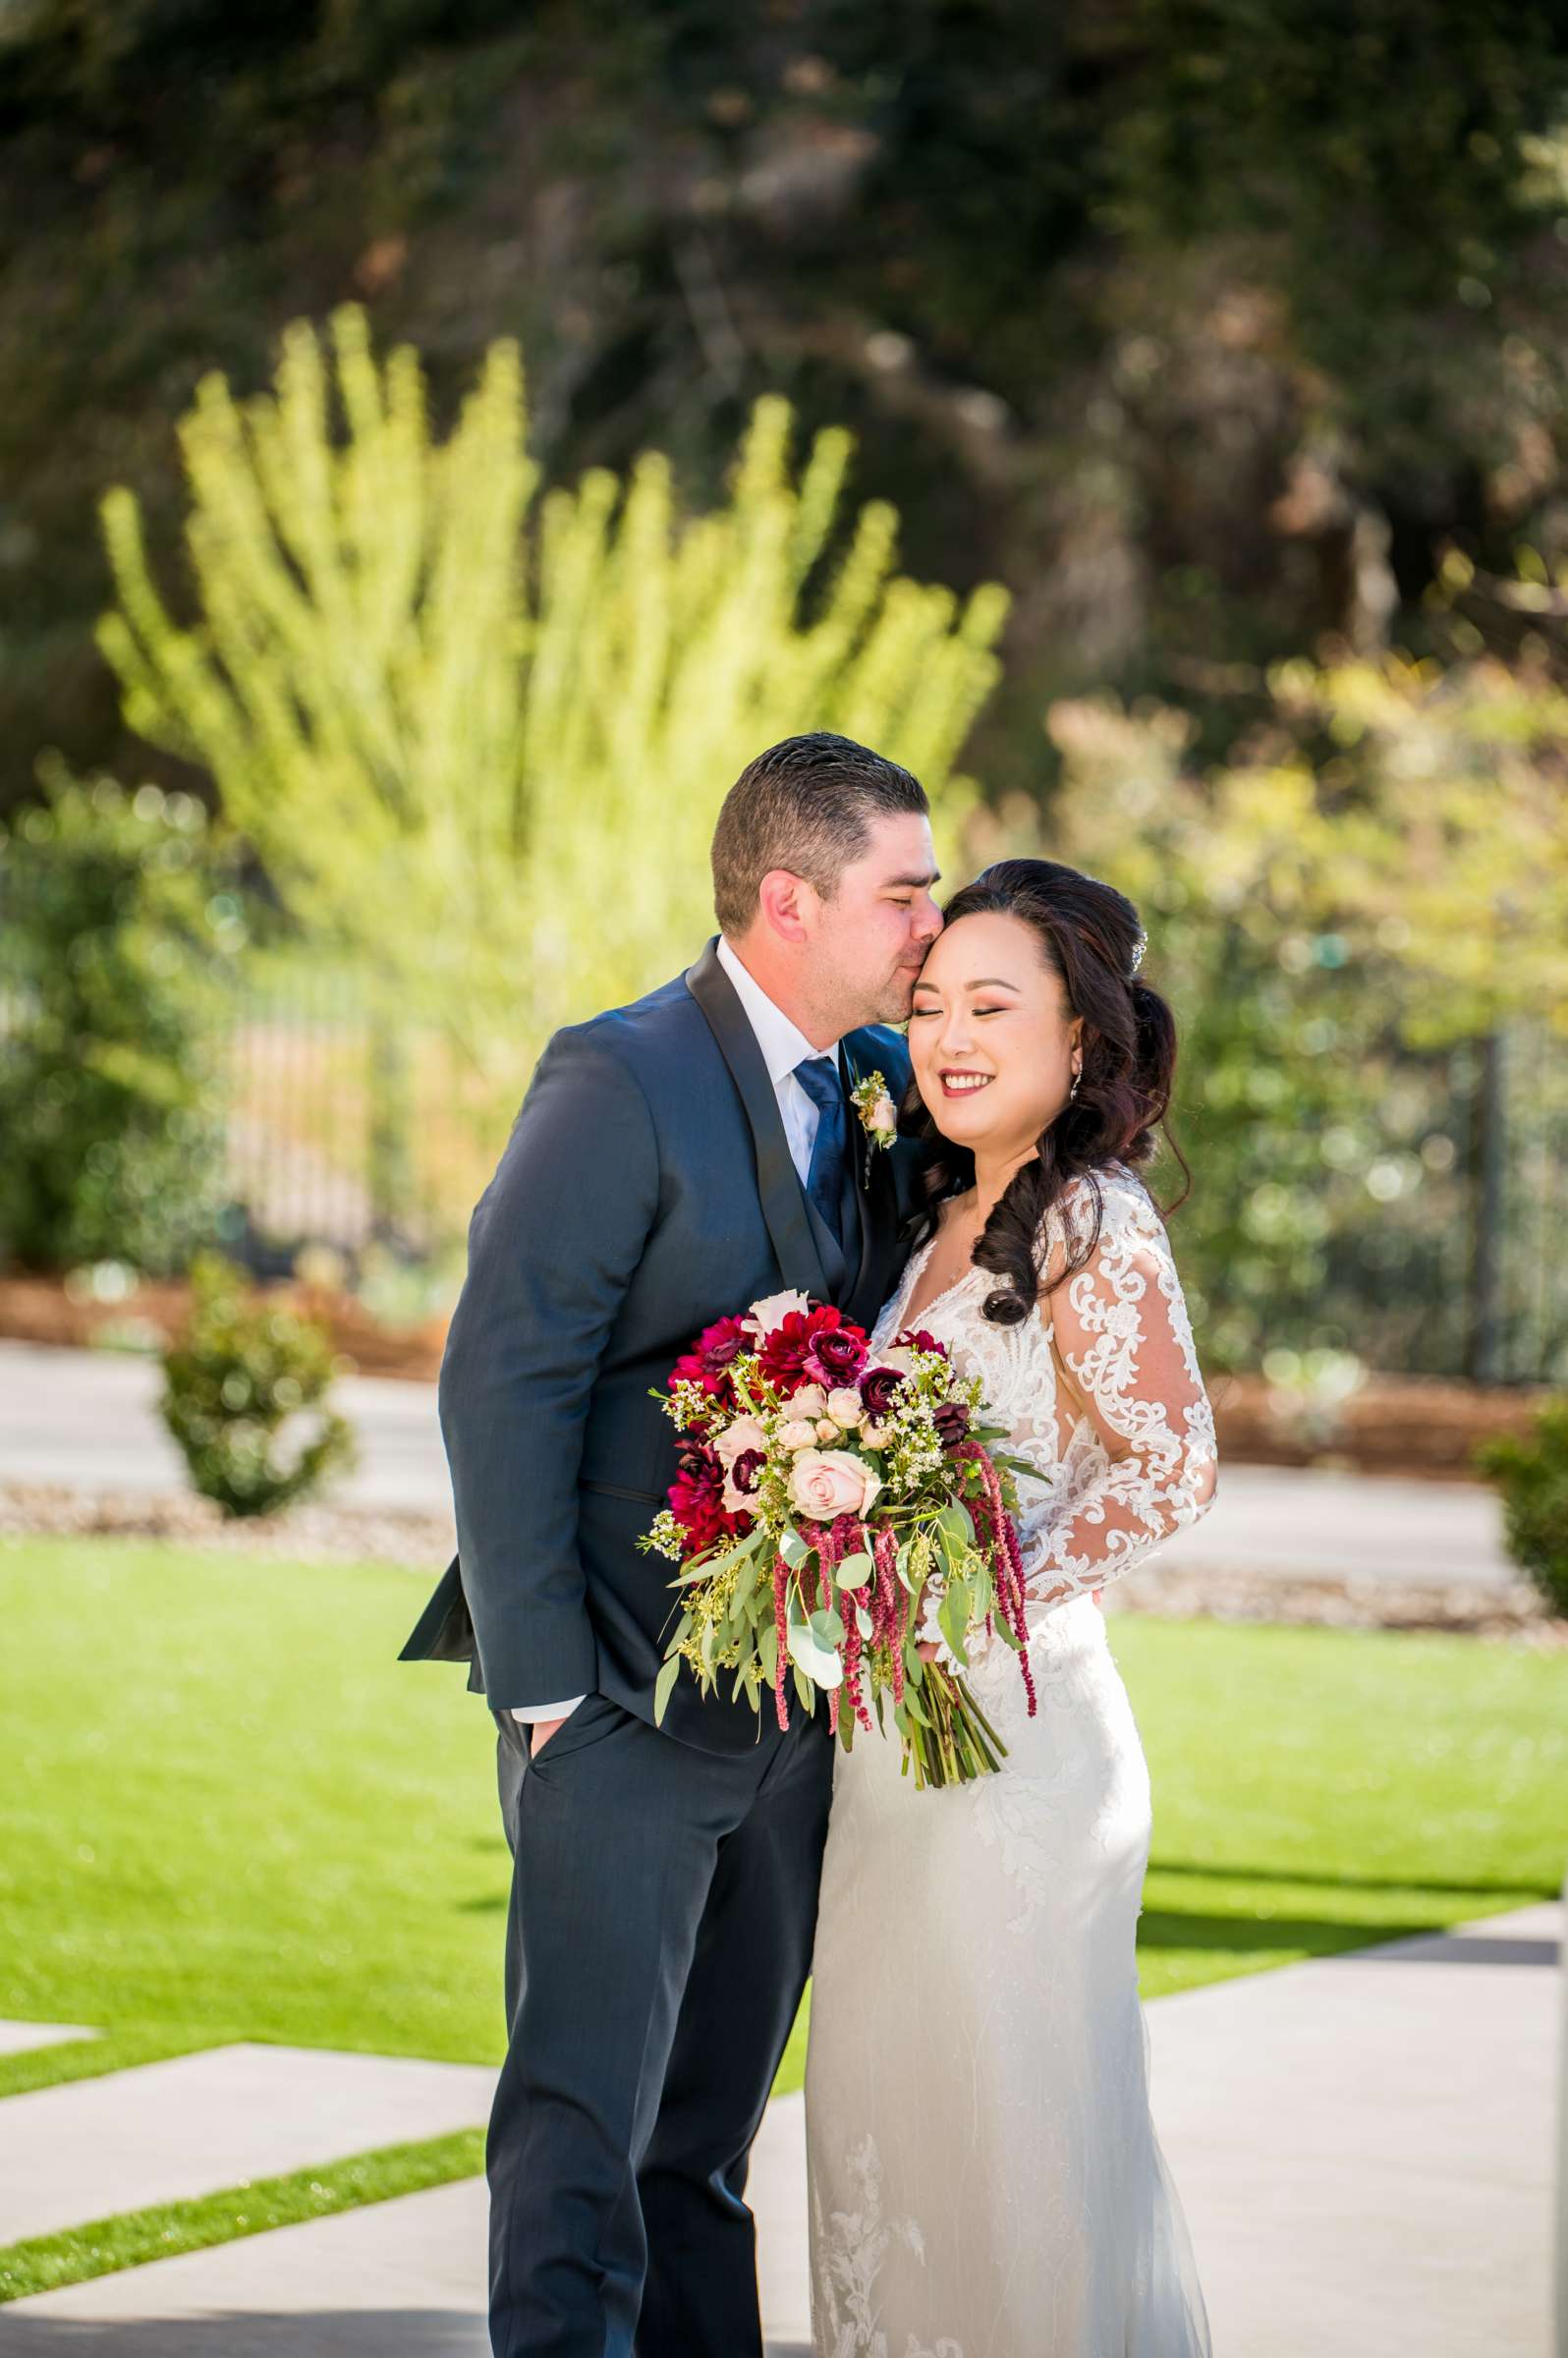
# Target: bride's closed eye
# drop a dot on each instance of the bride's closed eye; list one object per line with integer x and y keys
{"x": 917, "y": 1011}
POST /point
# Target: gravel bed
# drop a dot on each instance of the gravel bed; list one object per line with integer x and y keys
{"x": 1516, "y": 1613}
{"x": 424, "y": 1543}
{"x": 308, "y": 1533}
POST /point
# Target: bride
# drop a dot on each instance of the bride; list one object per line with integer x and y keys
{"x": 985, "y": 2181}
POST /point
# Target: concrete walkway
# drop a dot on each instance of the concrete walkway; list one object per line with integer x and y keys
{"x": 1362, "y": 2144}
{"x": 16, "y": 2037}
{"x": 89, "y": 1420}
{"x": 165, "y": 2132}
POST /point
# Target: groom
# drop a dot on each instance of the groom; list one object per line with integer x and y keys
{"x": 672, "y": 1163}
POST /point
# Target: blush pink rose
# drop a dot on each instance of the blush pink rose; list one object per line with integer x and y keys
{"x": 827, "y": 1483}
{"x": 744, "y": 1433}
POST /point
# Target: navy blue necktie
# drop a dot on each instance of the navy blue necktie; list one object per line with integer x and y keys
{"x": 818, "y": 1077}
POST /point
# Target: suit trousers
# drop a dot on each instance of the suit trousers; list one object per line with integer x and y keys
{"x": 659, "y": 1937}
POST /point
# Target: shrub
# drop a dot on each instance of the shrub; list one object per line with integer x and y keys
{"x": 420, "y": 686}
{"x": 234, "y": 1377}
{"x": 1532, "y": 1477}
{"x": 118, "y": 930}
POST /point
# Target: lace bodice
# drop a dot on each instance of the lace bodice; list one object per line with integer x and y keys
{"x": 1111, "y": 1485}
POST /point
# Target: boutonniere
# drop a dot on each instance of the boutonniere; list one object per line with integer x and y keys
{"x": 877, "y": 1109}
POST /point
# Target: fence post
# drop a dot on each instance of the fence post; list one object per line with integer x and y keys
{"x": 389, "y": 1171}
{"x": 1488, "y": 1178}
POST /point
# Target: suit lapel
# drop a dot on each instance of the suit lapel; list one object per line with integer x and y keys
{"x": 778, "y": 1189}
{"x": 878, "y": 1204}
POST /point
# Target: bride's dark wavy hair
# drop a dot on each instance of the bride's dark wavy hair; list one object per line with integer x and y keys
{"x": 1090, "y": 938}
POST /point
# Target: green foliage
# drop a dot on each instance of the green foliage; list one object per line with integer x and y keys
{"x": 119, "y": 925}
{"x": 482, "y": 743}
{"x": 1532, "y": 1477}
{"x": 234, "y": 1379}
{"x": 1378, "y": 877}
{"x": 1147, "y": 308}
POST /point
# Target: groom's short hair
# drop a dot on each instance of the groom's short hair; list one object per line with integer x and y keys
{"x": 805, "y": 805}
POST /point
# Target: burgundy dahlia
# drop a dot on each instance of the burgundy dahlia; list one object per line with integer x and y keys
{"x": 745, "y": 1469}
{"x": 721, "y": 1343}
{"x": 839, "y": 1355}
{"x": 877, "y": 1387}
{"x": 794, "y": 1342}
{"x": 693, "y": 1368}
{"x": 697, "y": 1499}
{"x": 951, "y": 1420}
{"x": 918, "y": 1338}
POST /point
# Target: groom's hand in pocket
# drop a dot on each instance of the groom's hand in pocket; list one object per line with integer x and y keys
{"x": 539, "y": 1733}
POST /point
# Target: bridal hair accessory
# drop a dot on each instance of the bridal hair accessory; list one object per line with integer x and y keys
{"x": 877, "y": 1109}
{"x": 1139, "y": 947}
{"x": 835, "y": 1508}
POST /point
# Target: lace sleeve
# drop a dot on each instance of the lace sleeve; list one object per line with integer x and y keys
{"x": 1122, "y": 1331}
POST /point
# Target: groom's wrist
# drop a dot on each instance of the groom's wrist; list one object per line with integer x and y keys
{"x": 530, "y": 1713}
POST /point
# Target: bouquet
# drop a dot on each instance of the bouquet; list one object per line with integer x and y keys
{"x": 833, "y": 1506}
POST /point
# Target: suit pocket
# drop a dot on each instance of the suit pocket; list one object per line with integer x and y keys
{"x": 594, "y": 1718}
{"x": 616, "y": 1490}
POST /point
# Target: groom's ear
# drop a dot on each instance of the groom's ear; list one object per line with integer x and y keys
{"x": 787, "y": 904}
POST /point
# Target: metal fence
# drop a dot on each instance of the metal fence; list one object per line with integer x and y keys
{"x": 1450, "y": 1254}
{"x": 345, "y": 1128}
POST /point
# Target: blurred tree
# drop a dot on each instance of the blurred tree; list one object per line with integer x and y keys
{"x": 1377, "y": 882}
{"x": 1204, "y": 325}
{"x": 480, "y": 743}
{"x": 119, "y": 925}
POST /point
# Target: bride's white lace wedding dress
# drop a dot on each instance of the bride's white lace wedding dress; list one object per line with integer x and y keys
{"x": 985, "y": 2181}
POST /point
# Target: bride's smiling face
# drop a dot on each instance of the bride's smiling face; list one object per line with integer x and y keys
{"x": 993, "y": 1042}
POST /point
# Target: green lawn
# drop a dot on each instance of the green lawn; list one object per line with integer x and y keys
{"x": 228, "y": 1811}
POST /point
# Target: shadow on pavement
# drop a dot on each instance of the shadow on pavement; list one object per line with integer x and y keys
{"x": 244, "y": 2334}
{"x": 241, "y": 2334}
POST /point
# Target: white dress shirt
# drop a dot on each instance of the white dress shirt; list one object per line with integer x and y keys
{"x": 784, "y": 1046}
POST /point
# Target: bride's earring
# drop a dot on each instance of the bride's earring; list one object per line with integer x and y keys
{"x": 1078, "y": 1075}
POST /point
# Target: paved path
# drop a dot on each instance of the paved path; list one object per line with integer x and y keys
{"x": 1365, "y": 2146}
{"x": 164, "y": 2132}
{"x": 1362, "y": 2144}
{"x": 87, "y": 1420}
{"x": 16, "y": 2037}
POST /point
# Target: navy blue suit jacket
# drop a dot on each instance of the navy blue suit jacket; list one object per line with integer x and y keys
{"x": 646, "y": 1189}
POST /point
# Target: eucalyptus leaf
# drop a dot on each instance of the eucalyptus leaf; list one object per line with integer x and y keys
{"x": 793, "y": 1549}
{"x": 855, "y": 1571}
{"x": 668, "y": 1674}
{"x": 953, "y": 1619}
{"x": 814, "y": 1659}
{"x": 828, "y": 1628}
{"x": 767, "y": 1650}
